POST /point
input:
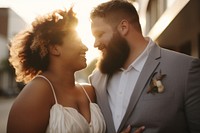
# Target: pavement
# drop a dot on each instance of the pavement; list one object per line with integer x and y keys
{"x": 5, "y": 106}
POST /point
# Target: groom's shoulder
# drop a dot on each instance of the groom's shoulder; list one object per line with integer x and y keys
{"x": 97, "y": 74}
{"x": 175, "y": 54}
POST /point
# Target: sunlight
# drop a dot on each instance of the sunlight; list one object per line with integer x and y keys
{"x": 29, "y": 10}
{"x": 83, "y": 11}
{"x": 83, "y": 28}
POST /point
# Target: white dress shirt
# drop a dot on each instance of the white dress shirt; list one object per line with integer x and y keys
{"x": 122, "y": 84}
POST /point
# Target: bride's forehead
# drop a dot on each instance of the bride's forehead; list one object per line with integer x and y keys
{"x": 71, "y": 37}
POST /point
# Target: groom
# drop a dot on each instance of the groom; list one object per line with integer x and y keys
{"x": 137, "y": 82}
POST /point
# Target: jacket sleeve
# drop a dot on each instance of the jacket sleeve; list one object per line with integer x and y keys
{"x": 192, "y": 97}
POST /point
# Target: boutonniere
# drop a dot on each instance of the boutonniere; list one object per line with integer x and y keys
{"x": 156, "y": 85}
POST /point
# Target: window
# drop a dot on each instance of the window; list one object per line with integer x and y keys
{"x": 155, "y": 9}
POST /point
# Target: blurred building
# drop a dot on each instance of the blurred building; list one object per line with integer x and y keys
{"x": 173, "y": 24}
{"x": 10, "y": 24}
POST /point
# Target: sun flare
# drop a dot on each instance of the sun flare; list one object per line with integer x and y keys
{"x": 28, "y": 12}
{"x": 83, "y": 11}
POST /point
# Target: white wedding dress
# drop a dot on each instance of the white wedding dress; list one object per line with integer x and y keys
{"x": 69, "y": 120}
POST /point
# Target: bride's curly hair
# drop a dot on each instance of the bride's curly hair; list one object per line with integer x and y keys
{"x": 29, "y": 53}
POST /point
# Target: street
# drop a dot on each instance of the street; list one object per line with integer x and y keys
{"x": 5, "y": 105}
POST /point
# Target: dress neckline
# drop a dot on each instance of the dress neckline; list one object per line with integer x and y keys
{"x": 71, "y": 108}
{"x": 75, "y": 110}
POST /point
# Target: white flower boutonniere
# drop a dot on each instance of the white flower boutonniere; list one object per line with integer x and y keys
{"x": 156, "y": 85}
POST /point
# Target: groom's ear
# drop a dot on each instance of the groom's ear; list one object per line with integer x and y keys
{"x": 123, "y": 27}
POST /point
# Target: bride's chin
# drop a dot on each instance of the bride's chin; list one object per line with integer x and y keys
{"x": 84, "y": 64}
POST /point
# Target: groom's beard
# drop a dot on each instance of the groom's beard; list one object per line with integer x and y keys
{"x": 114, "y": 56}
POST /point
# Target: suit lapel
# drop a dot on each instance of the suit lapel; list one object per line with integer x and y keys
{"x": 105, "y": 107}
{"x": 149, "y": 67}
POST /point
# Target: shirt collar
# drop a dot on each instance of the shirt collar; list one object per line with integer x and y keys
{"x": 141, "y": 59}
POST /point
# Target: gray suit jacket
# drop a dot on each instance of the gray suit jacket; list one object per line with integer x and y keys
{"x": 176, "y": 110}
